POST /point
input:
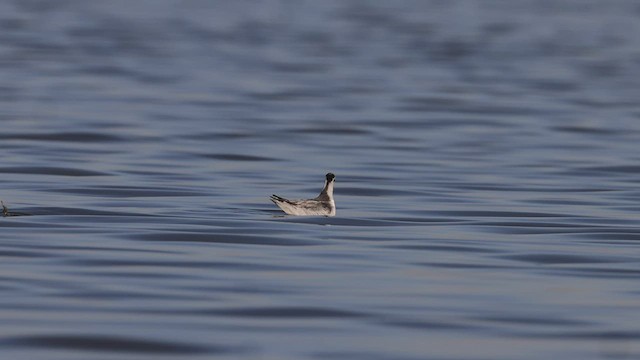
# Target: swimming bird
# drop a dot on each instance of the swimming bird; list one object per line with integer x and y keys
{"x": 323, "y": 204}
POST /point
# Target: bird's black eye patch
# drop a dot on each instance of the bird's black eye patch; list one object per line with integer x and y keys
{"x": 330, "y": 177}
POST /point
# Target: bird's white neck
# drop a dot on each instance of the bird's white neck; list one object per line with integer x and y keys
{"x": 328, "y": 188}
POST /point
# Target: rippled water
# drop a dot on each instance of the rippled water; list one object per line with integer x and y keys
{"x": 488, "y": 179}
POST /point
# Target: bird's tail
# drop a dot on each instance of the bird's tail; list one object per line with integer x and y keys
{"x": 276, "y": 199}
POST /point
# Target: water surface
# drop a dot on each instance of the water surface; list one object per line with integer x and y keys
{"x": 487, "y": 169}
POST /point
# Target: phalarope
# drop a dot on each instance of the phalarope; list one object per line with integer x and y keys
{"x": 323, "y": 204}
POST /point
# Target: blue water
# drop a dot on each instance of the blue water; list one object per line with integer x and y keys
{"x": 487, "y": 162}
